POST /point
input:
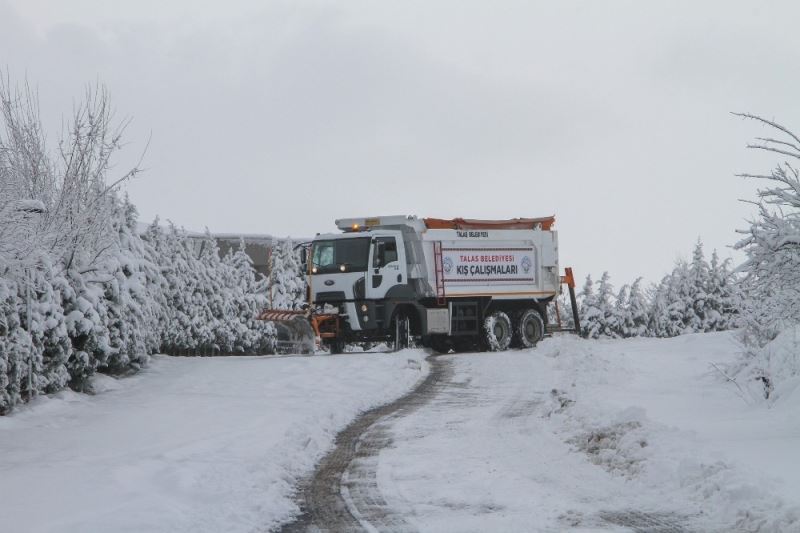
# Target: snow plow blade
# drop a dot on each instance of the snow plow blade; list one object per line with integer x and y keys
{"x": 279, "y": 315}
{"x": 301, "y": 329}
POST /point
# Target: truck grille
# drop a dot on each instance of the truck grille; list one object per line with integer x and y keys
{"x": 329, "y": 297}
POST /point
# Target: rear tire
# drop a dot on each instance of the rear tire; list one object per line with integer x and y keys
{"x": 529, "y": 328}
{"x": 467, "y": 344}
{"x": 497, "y": 332}
{"x": 440, "y": 345}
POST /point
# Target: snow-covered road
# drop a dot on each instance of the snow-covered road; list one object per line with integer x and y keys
{"x": 190, "y": 444}
{"x": 639, "y": 435}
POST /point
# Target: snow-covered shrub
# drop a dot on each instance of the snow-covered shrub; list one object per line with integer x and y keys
{"x": 14, "y": 346}
{"x": 771, "y": 286}
{"x": 52, "y": 345}
{"x": 86, "y": 317}
{"x": 102, "y": 297}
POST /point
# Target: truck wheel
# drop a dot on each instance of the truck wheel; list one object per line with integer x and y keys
{"x": 336, "y": 346}
{"x": 530, "y": 328}
{"x": 440, "y": 344}
{"x": 497, "y": 331}
{"x": 467, "y": 344}
{"x": 402, "y": 332}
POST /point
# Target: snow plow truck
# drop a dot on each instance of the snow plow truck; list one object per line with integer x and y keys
{"x": 456, "y": 284}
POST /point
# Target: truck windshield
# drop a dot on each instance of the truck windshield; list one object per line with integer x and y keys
{"x": 330, "y": 256}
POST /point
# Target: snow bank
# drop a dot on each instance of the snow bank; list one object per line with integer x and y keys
{"x": 655, "y": 413}
{"x": 780, "y": 359}
{"x": 639, "y": 434}
{"x": 190, "y": 444}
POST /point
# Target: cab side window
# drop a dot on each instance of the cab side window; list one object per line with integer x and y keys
{"x": 386, "y": 248}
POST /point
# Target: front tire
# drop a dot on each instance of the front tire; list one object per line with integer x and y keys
{"x": 402, "y": 332}
{"x": 336, "y": 346}
{"x": 497, "y": 332}
{"x": 529, "y": 328}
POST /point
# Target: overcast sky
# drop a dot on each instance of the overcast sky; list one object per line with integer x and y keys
{"x": 280, "y": 117}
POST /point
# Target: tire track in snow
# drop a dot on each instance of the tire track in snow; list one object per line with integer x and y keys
{"x": 342, "y": 494}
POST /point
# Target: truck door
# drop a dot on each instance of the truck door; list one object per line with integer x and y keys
{"x": 387, "y": 265}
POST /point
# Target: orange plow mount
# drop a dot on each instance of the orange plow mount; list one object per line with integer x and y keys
{"x": 324, "y": 326}
{"x": 567, "y": 279}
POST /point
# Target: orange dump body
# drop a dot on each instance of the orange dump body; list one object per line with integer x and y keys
{"x": 544, "y": 223}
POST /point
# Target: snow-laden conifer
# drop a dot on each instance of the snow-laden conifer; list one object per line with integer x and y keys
{"x": 696, "y": 315}
{"x": 287, "y": 283}
{"x": 637, "y": 310}
{"x": 597, "y": 311}
{"x": 621, "y": 322}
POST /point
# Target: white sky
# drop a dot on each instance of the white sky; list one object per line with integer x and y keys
{"x": 280, "y": 117}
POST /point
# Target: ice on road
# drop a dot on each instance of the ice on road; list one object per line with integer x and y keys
{"x": 190, "y": 444}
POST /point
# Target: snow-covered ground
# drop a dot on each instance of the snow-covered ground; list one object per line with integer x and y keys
{"x": 575, "y": 434}
{"x": 590, "y": 435}
{"x": 190, "y": 444}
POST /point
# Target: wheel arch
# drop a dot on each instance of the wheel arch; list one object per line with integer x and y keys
{"x": 413, "y": 314}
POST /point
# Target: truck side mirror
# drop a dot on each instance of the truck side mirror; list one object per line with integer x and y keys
{"x": 379, "y": 254}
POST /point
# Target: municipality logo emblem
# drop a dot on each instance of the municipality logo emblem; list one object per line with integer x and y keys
{"x": 526, "y": 264}
{"x": 447, "y": 263}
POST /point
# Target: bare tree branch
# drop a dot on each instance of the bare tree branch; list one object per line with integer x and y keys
{"x": 769, "y": 123}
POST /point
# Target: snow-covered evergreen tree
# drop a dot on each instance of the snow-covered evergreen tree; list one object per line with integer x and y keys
{"x": 248, "y": 292}
{"x": 722, "y": 295}
{"x": 659, "y": 318}
{"x": 696, "y": 315}
{"x": 681, "y": 309}
{"x": 597, "y": 310}
{"x": 695, "y": 297}
{"x": 179, "y": 271}
{"x": 637, "y": 310}
{"x": 102, "y": 297}
{"x": 621, "y": 319}
{"x": 212, "y": 300}
{"x": 128, "y": 279}
{"x": 605, "y": 303}
{"x": 287, "y": 281}
{"x": 588, "y": 308}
